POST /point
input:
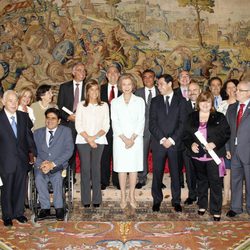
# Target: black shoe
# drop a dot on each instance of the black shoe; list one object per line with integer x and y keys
{"x": 231, "y": 213}
{"x": 87, "y": 205}
{"x": 178, "y": 208}
{"x": 7, "y": 222}
{"x": 103, "y": 187}
{"x": 59, "y": 214}
{"x": 44, "y": 213}
{"x": 189, "y": 201}
{"x": 163, "y": 186}
{"x": 182, "y": 185}
{"x": 22, "y": 219}
{"x": 156, "y": 207}
{"x": 118, "y": 186}
{"x": 74, "y": 180}
{"x": 217, "y": 218}
{"x": 139, "y": 185}
{"x": 201, "y": 212}
{"x": 96, "y": 205}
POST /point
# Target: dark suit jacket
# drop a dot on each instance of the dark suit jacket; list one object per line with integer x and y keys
{"x": 218, "y": 132}
{"x": 141, "y": 93}
{"x": 15, "y": 151}
{"x": 163, "y": 125}
{"x": 178, "y": 92}
{"x": 66, "y": 99}
{"x": 242, "y": 134}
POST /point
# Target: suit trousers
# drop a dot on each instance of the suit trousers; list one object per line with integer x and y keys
{"x": 13, "y": 193}
{"x": 90, "y": 173}
{"x": 160, "y": 155}
{"x": 207, "y": 173}
{"x": 239, "y": 172}
{"x": 106, "y": 162}
{"x": 56, "y": 180}
{"x": 142, "y": 176}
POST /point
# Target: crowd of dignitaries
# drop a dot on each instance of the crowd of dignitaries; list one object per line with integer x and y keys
{"x": 114, "y": 127}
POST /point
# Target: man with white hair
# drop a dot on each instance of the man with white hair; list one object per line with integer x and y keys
{"x": 16, "y": 142}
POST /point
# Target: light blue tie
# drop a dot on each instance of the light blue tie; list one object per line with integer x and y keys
{"x": 216, "y": 102}
{"x": 13, "y": 125}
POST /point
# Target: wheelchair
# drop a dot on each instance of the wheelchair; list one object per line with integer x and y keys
{"x": 68, "y": 196}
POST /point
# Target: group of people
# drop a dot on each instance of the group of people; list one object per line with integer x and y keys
{"x": 113, "y": 127}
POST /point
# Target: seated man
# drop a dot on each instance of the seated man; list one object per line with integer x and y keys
{"x": 54, "y": 148}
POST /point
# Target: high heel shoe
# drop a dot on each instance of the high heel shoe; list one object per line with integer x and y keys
{"x": 133, "y": 204}
{"x": 201, "y": 211}
{"x": 216, "y": 217}
{"x": 123, "y": 204}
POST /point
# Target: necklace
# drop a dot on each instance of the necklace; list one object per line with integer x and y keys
{"x": 40, "y": 103}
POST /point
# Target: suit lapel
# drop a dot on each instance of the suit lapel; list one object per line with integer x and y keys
{"x": 56, "y": 135}
{"x": 246, "y": 113}
{"x": 7, "y": 125}
{"x": 83, "y": 90}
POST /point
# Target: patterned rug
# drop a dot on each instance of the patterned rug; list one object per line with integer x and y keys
{"x": 128, "y": 235}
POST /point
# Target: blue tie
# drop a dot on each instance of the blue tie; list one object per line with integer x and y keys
{"x": 13, "y": 125}
{"x": 216, "y": 102}
{"x": 51, "y": 137}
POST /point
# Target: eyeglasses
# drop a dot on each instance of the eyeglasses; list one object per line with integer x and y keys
{"x": 242, "y": 90}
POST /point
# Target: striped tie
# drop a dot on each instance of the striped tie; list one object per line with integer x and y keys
{"x": 51, "y": 138}
{"x": 13, "y": 125}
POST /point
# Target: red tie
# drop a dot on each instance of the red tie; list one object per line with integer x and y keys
{"x": 111, "y": 94}
{"x": 239, "y": 115}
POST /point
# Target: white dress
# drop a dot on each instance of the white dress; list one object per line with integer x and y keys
{"x": 128, "y": 119}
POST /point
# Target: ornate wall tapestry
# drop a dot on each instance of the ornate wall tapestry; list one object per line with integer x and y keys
{"x": 41, "y": 40}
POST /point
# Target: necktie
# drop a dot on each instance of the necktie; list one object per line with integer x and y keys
{"x": 185, "y": 93}
{"x": 51, "y": 138}
{"x": 149, "y": 97}
{"x": 167, "y": 104}
{"x": 193, "y": 105}
{"x": 13, "y": 125}
{"x": 112, "y": 94}
{"x": 76, "y": 97}
{"x": 239, "y": 115}
{"x": 216, "y": 102}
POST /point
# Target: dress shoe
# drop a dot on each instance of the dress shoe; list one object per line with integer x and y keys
{"x": 21, "y": 219}
{"x": 216, "y": 217}
{"x": 7, "y": 222}
{"x": 156, "y": 207}
{"x": 201, "y": 211}
{"x": 178, "y": 208}
{"x": 103, "y": 187}
{"x": 87, "y": 205}
{"x": 163, "y": 186}
{"x": 139, "y": 185}
{"x": 96, "y": 205}
{"x": 231, "y": 213}
{"x": 118, "y": 187}
{"x": 189, "y": 201}
{"x": 44, "y": 213}
{"x": 60, "y": 214}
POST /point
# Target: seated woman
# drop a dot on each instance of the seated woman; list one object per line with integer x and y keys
{"x": 92, "y": 124}
{"x": 215, "y": 129}
{"x": 55, "y": 146}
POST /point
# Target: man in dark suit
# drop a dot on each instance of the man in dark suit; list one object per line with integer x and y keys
{"x": 70, "y": 93}
{"x": 54, "y": 148}
{"x": 182, "y": 91}
{"x": 238, "y": 116}
{"x": 193, "y": 92}
{"x": 147, "y": 92}
{"x": 215, "y": 85}
{"x": 16, "y": 142}
{"x": 166, "y": 120}
{"x": 108, "y": 92}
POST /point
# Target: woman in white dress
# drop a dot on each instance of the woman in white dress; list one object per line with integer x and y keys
{"x": 228, "y": 93}
{"x": 128, "y": 118}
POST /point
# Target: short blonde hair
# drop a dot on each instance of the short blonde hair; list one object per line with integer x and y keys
{"x": 22, "y": 92}
{"x": 127, "y": 76}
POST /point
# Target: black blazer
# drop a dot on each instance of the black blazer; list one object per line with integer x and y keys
{"x": 163, "y": 125}
{"x": 66, "y": 99}
{"x": 104, "y": 93}
{"x": 218, "y": 132}
{"x": 15, "y": 151}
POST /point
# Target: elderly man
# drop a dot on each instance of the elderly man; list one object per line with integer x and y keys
{"x": 70, "y": 93}
{"x": 238, "y": 116}
{"x": 54, "y": 149}
{"x": 16, "y": 142}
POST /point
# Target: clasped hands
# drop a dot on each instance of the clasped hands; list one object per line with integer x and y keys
{"x": 129, "y": 142}
{"x": 208, "y": 147}
{"x": 46, "y": 166}
{"x": 91, "y": 141}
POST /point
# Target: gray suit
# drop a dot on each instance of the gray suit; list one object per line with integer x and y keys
{"x": 59, "y": 152}
{"x": 142, "y": 176}
{"x": 240, "y": 164}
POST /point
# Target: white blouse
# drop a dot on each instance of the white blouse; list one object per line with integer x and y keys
{"x": 92, "y": 119}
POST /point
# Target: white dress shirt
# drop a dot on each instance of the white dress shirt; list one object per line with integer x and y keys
{"x": 147, "y": 91}
{"x": 115, "y": 89}
{"x": 48, "y": 134}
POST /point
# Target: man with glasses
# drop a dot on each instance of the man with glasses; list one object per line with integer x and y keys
{"x": 238, "y": 116}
